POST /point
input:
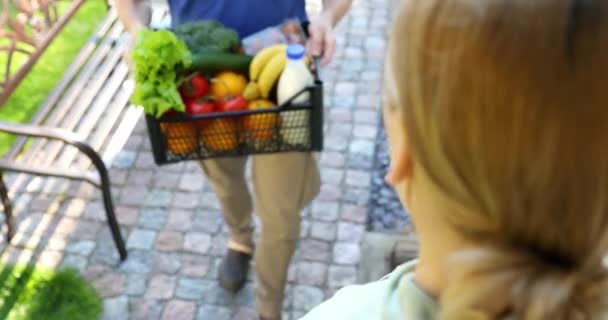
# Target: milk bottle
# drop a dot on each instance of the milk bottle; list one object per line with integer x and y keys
{"x": 295, "y": 77}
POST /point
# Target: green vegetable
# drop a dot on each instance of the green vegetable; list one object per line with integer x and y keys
{"x": 208, "y": 36}
{"x": 159, "y": 58}
{"x": 212, "y": 61}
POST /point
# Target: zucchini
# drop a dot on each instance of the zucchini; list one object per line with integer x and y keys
{"x": 219, "y": 61}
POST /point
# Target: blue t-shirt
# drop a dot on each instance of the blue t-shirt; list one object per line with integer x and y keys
{"x": 245, "y": 16}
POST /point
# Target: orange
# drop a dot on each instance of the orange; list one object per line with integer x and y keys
{"x": 220, "y": 134}
{"x": 261, "y": 126}
{"x": 181, "y": 137}
{"x": 228, "y": 83}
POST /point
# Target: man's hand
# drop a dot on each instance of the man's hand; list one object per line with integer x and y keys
{"x": 135, "y": 15}
{"x": 322, "y": 42}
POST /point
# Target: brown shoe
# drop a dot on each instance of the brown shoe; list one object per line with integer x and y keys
{"x": 233, "y": 270}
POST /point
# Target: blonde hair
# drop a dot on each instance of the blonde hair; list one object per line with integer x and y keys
{"x": 505, "y": 104}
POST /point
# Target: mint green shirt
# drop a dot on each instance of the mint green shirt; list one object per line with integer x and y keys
{"x": 394, "y": 297}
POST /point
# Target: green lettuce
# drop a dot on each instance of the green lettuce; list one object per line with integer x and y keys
{"x": 159, "y": 57}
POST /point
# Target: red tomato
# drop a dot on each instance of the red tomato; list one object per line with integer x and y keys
{"x": 234, "y": 103}
{"x": 196, "y": 87}
{"x": 198, "y": 106}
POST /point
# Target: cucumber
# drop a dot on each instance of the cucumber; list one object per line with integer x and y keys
{"x": 219, "y": 61}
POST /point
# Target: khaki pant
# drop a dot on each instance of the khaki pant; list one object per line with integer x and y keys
{"x": 284, "y": 183}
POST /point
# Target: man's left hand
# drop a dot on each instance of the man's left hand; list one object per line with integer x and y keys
{"x": 322, "y": 42}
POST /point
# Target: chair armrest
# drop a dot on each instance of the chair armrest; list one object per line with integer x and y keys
{"x": 41, "y": 132}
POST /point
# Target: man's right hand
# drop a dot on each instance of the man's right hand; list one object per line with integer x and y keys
{"x": 134, "y": 15}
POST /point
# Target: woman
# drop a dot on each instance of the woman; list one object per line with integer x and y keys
{"x": 498, "y": 127}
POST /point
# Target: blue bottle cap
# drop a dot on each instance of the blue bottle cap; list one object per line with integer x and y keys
{"x": 295, "y": 51}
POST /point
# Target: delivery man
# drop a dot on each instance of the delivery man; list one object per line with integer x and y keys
{"x": 284, "y": 183}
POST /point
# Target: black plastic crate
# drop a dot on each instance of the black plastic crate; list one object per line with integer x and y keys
{"x": 286, "y": 128}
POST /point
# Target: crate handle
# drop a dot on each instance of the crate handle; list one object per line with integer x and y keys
{"x": 317, "y": 63}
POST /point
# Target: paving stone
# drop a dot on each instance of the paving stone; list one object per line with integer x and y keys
{"x": 140, "y": 178}
{"x": 79, "y": 229}
{"x": 134, "y": 142}
{"x": 133, "y": 195}
{"x": 245, "y": 296}
{"x": 323, "y": 231}
{"x": 312, "y": 273}
{"x": 145, "y": 160}
{"x": 141, "y": 239}
{"x": 352, "y": 67}
{"x": 369, "y": 100}
{"x": 325, "y": 210}
{"x": 345, "y": 88}
{"x": 365, "y": 131}
{"x": 367, "y": 117}
{"x": 354, "y": 213}
{"x": 169, "y": 241}
{"x": 245, "y": 313}
{"x": 110, "y": 284}
{"x": 343, "y": 101}
{"x": 219, "y": 246}
{"x": 136, "y": 284}
{"x": 197, "y": 242}
{"x": 124, "y": 160}
{"x": 195, "y": 265}
{"x": 332, "y": 176}
{"x": 315, "y": 250}
{"x": 356, "y": 196}
{"x": 190, "y": 288}
{"x": 178, "y": 309}
{"x": 336, "y": 143}
{"x": 186, "y": 200}
{"x": 363, "y": 146}
{"x": 83, "y": 248}
{"x": 340, "y": 276}
{"x": 165, "y": 180}
{"x": 339, "y": 129}
{"x": 350, "y": 232}
{"x": 307, "y": 297}
{"x": 216, "y": 295}
{"x": 161, "y": 287}
{"x": 209, "y": 312}
{"x": 346, "y": 253}
{"x": 304, "y": 228}
{"x": 145, "y": 309}
{"x": 329, "y": 192}
{"x": 116, "y": 308}
{"x": 209, "y": 200}
{"x": 127, "y": 216}
{"x": 158, "y": 198}
{"x": 153, "y": 218}
{"x": 74, "y": 261}
{"x": 94, "y": 210}
{"x": 357, "y": 178}
{"x": 138, "y": 261}
{"x": 208, "y": 222}
{"x": 332, "y": 159}
{"x": 49, "y": 259}
{"x": 341, "y": 115}
{"x": 105, "y": 253}
{"x": 75, "y": 208}
{"x": 168, "y": 263}
{"x": 179, "y": 220}
{"x": 192, "y": 182}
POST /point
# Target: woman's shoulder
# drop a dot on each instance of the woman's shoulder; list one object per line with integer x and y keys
{"x": 375, "y": 300}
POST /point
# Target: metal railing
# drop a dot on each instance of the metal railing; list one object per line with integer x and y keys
{"x": 27, "y": 27}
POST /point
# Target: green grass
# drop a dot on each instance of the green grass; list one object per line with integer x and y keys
{"x": 35, "y": 87}
{"x": 29, "y": 293}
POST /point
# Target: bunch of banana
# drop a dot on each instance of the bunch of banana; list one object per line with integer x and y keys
{"x": 264, "y": 71}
